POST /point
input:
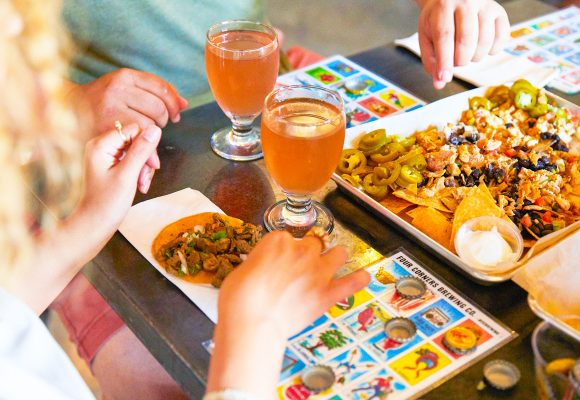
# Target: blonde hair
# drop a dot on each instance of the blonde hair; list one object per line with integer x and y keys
{"x": 39, "y": 151}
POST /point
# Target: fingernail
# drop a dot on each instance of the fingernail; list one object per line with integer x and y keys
{"x": 446, "y": 76}
{"x": 151, "y": 133}
{"x": 184, "y": 102}
{"x": 437, "y": 84}
{"x": 177, "y": 118}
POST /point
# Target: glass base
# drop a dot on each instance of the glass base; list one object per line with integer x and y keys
{"x": 238, "y": 147}
{"x": 278, "y": 218}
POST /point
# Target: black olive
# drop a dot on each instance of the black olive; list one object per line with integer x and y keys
{"x": 528, "y": 203}
{"x": 549, "y": 226}
{"x": 476, "y": 173}
{"x": 546, "y": 232}
{"x": 517, "y": 213}
{"x": 450, "y": 182}
{"x": 499, "y": 175}
{"x": 472, "y": 137}
{"x": 454, "y": 140}
{"x": 556, "y": 138}
{"x": 469, "y": 182}
{"x": 535, "y": 229}
{"x": 525, "y": 164}
{"x": 531, "y": 123}
{"x": 462, "y": 178}
{"x": 544, "y": 159}
{"x": 509, "y": 125}
{"x": 545, "y": 135}
{"x": 559, "y": 146}
{"x": 423, "y": 182}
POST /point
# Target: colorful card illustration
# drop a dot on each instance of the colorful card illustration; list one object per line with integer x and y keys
{"x": 291, "y": 364}
{"x": 421, "y": 363}
{"x": 521, "y": 32}
{"x": 379, "y": 387}
{"x": 542, "y": 40}
{"x": 366, "y": 320}
{"x": 342, "y": 68}
{"x": 572, "y": 77}
{"x": 295, "y": 390}
{"x": 349, "y": 303}
{"x": 322, "y": 343}
{"x": 385, "y": 348}
{"x": 352, "y": 364}
{"x": 436, "y": 317}
{"x": 518, "y": 49}
{"x": 384, "y": 274}
{"x": 356, "y": 115}
{"x": 560, "y": 48}
{"x": 319, "y": 321}
{"x": 539, "y": 57}
{"x": 542, "y": 24}
{"x": 574, "y": 58}
{"x": 405, "y": 306}
{"x": 378, "y": 107}
{"x": 397, "y": 99}
{"x": 563, "y": 31}
{"x": 323, "y": 75}
{"x": 480, "y": 333}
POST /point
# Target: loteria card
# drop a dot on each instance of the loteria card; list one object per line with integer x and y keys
{"x": 367, "y": 96}
{"x": 350, "y": 339}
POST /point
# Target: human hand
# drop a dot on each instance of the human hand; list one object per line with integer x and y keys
{"x": 455, "y": 32}
{"x": 130, "y": 96}
{"x": 287, "y": 282}
{"x": 114, "y": 169}
{"x": 281, "y": 288}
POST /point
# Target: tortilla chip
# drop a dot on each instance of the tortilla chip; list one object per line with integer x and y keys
{"x": 434, "y": 224}
{"x": 477, "y": 204}
{"x": 432, "y": 202}
{"x": 395, "y": 204}
{"x": 173, "y": 230}
{"x": 450, "y": 203}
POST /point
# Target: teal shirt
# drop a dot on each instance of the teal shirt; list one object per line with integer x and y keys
{"x": 163, "y": 37}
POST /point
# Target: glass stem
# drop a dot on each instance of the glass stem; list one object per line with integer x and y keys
{"x": 243, "y": 131}
{"x": 298, "y": 212}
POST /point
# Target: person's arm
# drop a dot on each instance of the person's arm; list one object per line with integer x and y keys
{"x": 109, "y": 189}
{"x": 456, "y": 32}
{"x": 282, "y": 287}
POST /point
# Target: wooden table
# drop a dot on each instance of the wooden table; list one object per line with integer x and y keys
{"x": 173, "y": 328}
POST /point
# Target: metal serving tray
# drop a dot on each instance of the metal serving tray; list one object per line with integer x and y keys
{"x": 437, "y": 114}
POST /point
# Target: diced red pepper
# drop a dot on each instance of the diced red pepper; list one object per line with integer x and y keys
{"x": 526, "y": 220}
{"x": 539, "y": 201}
{"x": 510, "y": 152}
{"x": 547, "y": 217}
{"x": 481, "y": 143}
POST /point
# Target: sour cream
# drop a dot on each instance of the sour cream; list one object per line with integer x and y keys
{"x": 486, "y": 248}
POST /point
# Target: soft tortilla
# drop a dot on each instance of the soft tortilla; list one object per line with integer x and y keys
{"x": 173, "y": 230}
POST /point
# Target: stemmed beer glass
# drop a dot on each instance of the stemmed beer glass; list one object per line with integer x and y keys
{"x": 241, "y": 59}
{"x": 303, "y": 130}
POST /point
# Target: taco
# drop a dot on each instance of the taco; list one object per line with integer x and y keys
{"x": 205, "y": 247}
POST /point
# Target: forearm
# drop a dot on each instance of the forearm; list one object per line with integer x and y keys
{"x": 57, "y": 257}
{"x": 247, "y": 357}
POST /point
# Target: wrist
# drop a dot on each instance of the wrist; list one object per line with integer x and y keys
{"x": 247, "y": 357}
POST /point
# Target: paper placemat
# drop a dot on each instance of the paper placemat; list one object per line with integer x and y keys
{"x": 145, "y": 220}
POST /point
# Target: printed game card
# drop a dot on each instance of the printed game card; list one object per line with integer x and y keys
{"x": 350, "y": 337}
{"x": 367, "y": 97}
{"x": 552, "y": 40}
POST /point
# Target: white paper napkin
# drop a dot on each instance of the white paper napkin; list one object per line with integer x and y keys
{"x": 493, "y": 70}
{"x": 146, "y": 219}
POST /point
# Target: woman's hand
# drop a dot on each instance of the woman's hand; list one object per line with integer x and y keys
{"x": 281, "y": 288}
{"x": 108, "y": 192}
{"x": 130, "y": 96}
{"x": 455, "y": 32}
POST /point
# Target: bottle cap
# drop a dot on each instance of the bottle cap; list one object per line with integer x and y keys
{"x": 400, "y": 330}
{"x": 500, "y": 374}
{"x": 318, "y": 378}
{"x": 460, "y": 340}
{"x": 410, "y": 287}
{"x": 356, "y": 86}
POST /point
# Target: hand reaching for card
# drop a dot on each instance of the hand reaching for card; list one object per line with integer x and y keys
{"x": 455, "y": 32}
